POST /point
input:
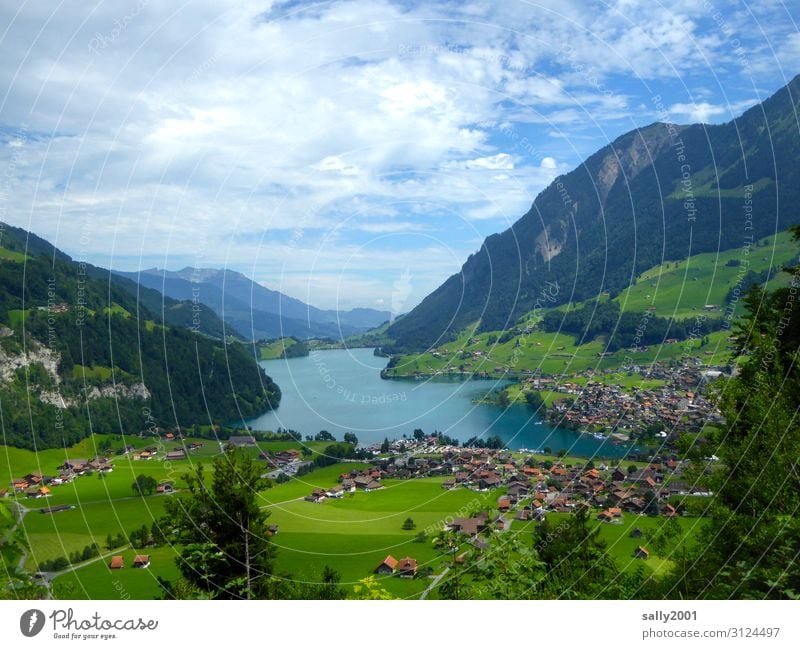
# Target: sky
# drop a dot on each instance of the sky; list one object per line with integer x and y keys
{"x": 349, "y": 153}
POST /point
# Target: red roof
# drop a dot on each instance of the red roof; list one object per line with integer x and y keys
{"x": 116, "y": 562}
{"x": 389, "y": 561}
{"x": 408, "y": 564}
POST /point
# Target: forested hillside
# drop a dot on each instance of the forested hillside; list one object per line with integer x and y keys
{"x": 79, "y": 354}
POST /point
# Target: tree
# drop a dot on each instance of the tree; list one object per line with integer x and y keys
{"x": 409, "y": 524}
{"x": 351, "y": 438}
{"x": 751, "y": 547}
{"x": 385, "y": 445}
{"x": 632, "y": 469}
{"x": 368, "y": 588}
{"x": 324, "y": 436}
{"x": 144, "y": 485}
{"x": 503, "y": 399}
{"x": 534, "y": 399}
{"x": 226, "y": 552}
{"x": 419, "y": 434}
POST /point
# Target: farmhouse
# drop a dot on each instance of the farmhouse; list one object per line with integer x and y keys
{"x": 387, "y": 566}
{"x": 242, "y": 440}
{"x": 641, "y": 553}
{"x": 117, "y": 562}
{"x": 141, "y": 561}
{"x": 407, "y": 567}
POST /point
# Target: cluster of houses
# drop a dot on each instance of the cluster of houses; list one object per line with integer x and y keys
{"x": 678, "y": 405}
{"x": 358, "y": 480}
{"x": 406, "y": 567}
{"x": 39, "y": 485}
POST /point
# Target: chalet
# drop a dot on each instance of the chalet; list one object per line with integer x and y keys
{"x": 448, "y": 484}
{"x": 503, "y": 504}
{"x": 78, "y": 467}
{"x": 641, "y": 553}
{"x": 317, "y": 496}
{"x": 242, "y": 440}
{"x": 669, "y": 511}
{"x": 175, "y": 455}
{"x": 348, "y": 485}
{"x": 489, "y": 482}
{"x": 20, "y": 485}
{"x": 373, "y": 486}
{"x": 117, "y": 562}
{"x": 37, "y": 492}
{"x": 407, "y": 567}
{"x": 469, "y": 526}
{"x": 141, "y": 561}
{"x": 164, "y": 488}
{"x": 387, "y": 566}
{"x": 362, "y": 481}
{"x": 336, "y": 491}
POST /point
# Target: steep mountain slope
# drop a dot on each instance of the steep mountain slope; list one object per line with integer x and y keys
{"x": 661, "y": 192}
{"x": 180, "y": 313}
{"x": 254, "y": 310}
{"x": 79, "y": 354}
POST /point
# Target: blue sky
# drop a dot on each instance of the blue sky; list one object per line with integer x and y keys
{"x": 333, "y": 149}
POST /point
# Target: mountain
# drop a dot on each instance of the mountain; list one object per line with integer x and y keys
{"x": 663, "y": 192}
{"x": 81, "y": 353}
{"x": 253, "y": 310}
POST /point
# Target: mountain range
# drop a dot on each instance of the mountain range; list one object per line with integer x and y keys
{"x": 252, "y": 310}
{"x": 83, "y": 351}
{"x": 663, "y": 192}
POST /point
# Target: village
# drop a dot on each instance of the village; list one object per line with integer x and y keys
{"x": 528, "y": 489}
{"x": 677, "y": 404}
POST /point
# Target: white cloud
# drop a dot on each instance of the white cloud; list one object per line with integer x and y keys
{"x": 197, "y": 129}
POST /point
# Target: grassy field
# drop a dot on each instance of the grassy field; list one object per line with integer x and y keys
{"x": 98, "y": 581}
{"x": 354, "y": 534}
{"x": 681, "y": 289}
{"x": 11, "y": 255}
{"x": 675, "y": 289}
{"x": 274, "y": 349}
{"x": 552, "y": 353}
{"x": 621, "y": 546}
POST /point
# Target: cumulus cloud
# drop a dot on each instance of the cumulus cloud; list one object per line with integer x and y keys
{"x": 216, "y": 132}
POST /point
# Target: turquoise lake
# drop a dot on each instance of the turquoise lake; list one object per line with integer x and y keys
{"x": 341, "y": 391}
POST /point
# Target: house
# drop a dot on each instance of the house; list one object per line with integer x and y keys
{"x": 242, "y": 440}
{"x": 175, "y": 455}
{"x": 317, "y": 496}
{"x": 78, "y": 467}
{"x": 117, "y": 562}
{"x": 387, "y": 566}
{"x": 373, "y": 486}
{"x": 503, "y": 504}
{"x": 407, "y": 567}
{"x": 448, "y": 484}
{"x": 636, "y": 533}
{"x": 140, "y": 561}
{"x": 37, "y": 492}
{"x": 641, "y": 553}
{"x": 164, "y": 488}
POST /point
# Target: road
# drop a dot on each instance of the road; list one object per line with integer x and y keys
{"x": 434, "y": 583}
